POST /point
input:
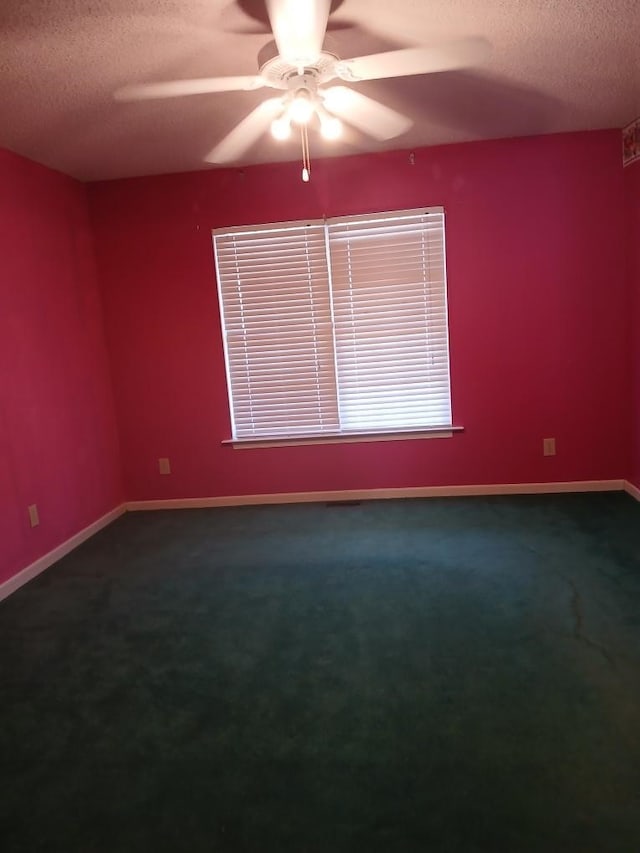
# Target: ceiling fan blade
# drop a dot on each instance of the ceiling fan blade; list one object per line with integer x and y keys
{"x": 177, "y": 88}
{"x": 299, "y": 27}
{"x": 415, "y": 60}
{"x": 243, "y": 135}
{"x": 367, "y": 115}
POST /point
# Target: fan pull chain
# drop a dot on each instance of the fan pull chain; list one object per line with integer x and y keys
{"x": 306, "y": 161}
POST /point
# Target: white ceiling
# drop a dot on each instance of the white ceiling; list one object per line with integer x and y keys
{"x": 555, "y": 65}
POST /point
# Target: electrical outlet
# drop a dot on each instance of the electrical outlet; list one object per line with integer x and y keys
{"x": 34, "y": 518}
{"x": 548, "y": 447}
{"x": 164, "y": 466}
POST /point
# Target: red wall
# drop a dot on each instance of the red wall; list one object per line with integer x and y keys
{"x": 58, "y": 444}
{"x": 632, "y": 211}
{"x": 539, "y": 344}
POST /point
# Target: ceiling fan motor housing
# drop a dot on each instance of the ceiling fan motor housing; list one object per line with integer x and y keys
{"x": 279, "y": 74}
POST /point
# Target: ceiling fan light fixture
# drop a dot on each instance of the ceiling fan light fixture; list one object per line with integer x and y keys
{"x": 330, "y": 127}
{"x": 281, "y": 128}
{"x": 302, "y": 107}
{"x": 336, "y": 98}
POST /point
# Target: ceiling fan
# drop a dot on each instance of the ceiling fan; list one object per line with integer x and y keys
{"x": 299, "y": 69}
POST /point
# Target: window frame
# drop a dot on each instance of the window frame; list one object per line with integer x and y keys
{"x": 342, "y": 435}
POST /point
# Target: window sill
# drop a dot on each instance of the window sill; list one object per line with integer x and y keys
{"x": 343, "y": 438}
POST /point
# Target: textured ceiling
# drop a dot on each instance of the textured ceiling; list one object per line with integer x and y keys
{"x": 555, "y": 65}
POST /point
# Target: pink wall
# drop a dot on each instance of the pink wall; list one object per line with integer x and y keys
{"x": 632, "y": 211}
{"x": 58, "y": 444}
{"x": 539, "y": 343}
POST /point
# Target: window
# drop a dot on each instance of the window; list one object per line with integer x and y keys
{"x": 336, "y": 327}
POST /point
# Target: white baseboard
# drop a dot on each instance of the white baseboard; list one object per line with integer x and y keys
{"x": 13, "y": 583}
{"x": 632, "y": 490}
{"x": 381, "y": 494}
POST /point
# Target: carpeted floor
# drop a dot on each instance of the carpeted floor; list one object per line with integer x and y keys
{"x": 448, "y": 676}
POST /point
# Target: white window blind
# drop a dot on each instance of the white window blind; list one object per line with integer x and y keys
{"x": 337, "y": 327}
{"x": 390, "y": 313}
{"x": 274, "y": 297}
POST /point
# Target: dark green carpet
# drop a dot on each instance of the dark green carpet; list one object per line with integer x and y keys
{"x": 452, "y": 675}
